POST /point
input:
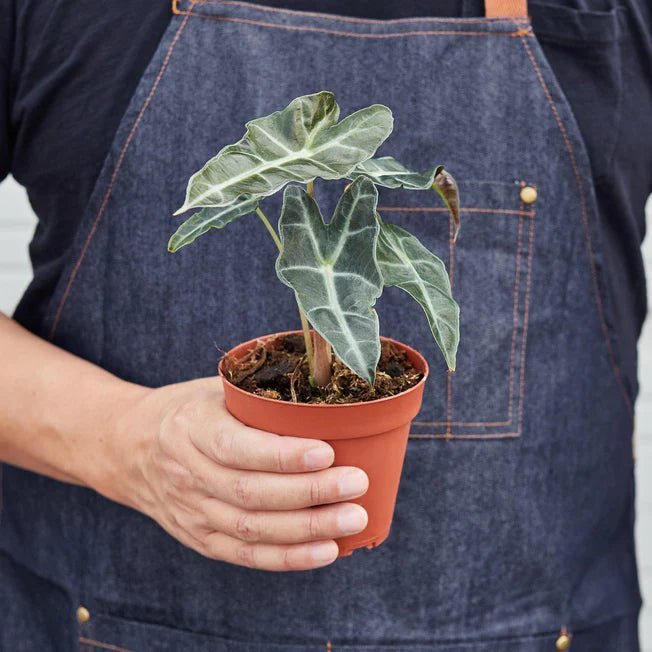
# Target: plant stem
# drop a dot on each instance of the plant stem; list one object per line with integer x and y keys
{"x": 321, "y": 357}
{"x": 322, "y": 372}
{"x": 305, "y": 326}
{"x": 307, "y": 338}
{"x": 270, "y": 228}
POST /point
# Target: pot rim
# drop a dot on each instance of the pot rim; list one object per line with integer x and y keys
{"x": 426, "y": 371}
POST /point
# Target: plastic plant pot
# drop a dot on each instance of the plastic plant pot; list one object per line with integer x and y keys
{"x": 370, "y": 435}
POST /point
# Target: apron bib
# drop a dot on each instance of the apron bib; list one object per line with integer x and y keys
{"x": 515, "y": 511}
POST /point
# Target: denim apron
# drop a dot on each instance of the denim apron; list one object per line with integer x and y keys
{"x": 513, "y": 525}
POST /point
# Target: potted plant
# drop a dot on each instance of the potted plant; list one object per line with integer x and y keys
{"x": 339, "y": 380}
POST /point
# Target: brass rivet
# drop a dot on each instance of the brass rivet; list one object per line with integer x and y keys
{"x": 563, "y": 643}
{"x": 528, "y": 194}
{"x": 83, "y": 615}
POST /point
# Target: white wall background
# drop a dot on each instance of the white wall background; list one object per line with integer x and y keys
{"x": 17, "y": 223}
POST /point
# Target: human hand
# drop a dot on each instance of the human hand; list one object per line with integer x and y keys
{"x": 230, "y": 492}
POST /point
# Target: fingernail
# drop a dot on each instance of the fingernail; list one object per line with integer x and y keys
{"x": 324, "y": 552}
{"x": 353, "y": 483}
{"x": 351, "y": 519}
{"x": 318, "y": 458}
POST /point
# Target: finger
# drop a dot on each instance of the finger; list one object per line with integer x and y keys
{"x": 237, "y": 446}
{"x": 253, "y": 490}
{"x": 299, "y": 526}
{"x": 302, "y": 556}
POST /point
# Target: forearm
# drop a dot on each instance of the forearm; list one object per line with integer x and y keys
{"x": 58, "y": 412}
{"x": 175, "y": 453}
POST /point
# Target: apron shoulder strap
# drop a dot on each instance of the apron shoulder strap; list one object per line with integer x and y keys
{"x": 506, "y": 8}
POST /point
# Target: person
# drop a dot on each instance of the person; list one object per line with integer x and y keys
{"x": 137, "y": 514}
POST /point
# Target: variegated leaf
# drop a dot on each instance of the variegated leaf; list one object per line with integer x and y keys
{"x": 388, "y": 172}
{"x": 333, "y": 270}
{"x": 407, "y": 264}
{"x": 299, "y": 143}
{"x": 209, "y": 218}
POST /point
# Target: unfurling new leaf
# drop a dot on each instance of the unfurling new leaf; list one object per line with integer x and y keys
{"x": 446, "y": 186}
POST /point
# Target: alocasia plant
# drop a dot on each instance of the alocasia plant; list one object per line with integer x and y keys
{"x": 336, "y": 269}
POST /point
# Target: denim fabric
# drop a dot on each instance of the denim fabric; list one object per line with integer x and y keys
{"x": 515, "y": 512}
{"x": 35, "y": 614}
{"x": 49, "y": 627}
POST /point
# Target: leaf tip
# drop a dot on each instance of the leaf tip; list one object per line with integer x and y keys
{"x": 173, "y": 245}
{"x": 385, "y": 108}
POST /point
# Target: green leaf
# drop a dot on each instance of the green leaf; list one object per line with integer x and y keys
{"x": 333, "y": 270}
{"x": 388, "y": 172}
{"x": 209, "y": 218}
{"x": 299, "y": 143}
{"x": 405, "y": 263}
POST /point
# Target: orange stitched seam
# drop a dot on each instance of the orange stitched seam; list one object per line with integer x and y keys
{"x": 499, "y": 435}
{"x": 585, "y": 221}
{"x": 449, "y": 378}
{"x": 435, "y": 209}
{"x": 104, "y": 646}
{"x": 364, "y": 21}
{"x": 526, "y": 319}
{"x": 467, "y": 424}
{"x": 511, "y": 358}
{"x": 449, "y": 403}
{"x": 517, "y": 287}
{"x": 114, "y": 176}
{"x": 335, "y": 32}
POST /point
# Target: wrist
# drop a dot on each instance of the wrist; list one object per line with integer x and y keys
{"x": 122, "y": 444}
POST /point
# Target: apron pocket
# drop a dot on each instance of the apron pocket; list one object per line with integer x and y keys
{"x": 490, "y": 267}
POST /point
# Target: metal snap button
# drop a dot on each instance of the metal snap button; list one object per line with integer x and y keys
{"x": 528, "y": 194}
{"x": 83, "y": 615}
{"x": 563, "y": 643}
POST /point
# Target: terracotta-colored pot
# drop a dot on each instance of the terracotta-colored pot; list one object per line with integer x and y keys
{"x": 372, "y": 436}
